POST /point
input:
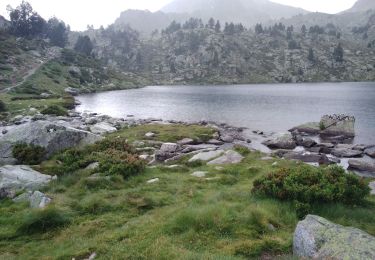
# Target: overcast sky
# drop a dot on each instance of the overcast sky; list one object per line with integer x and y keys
{"x": 79, "y": 13}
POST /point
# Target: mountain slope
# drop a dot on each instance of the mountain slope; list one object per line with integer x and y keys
{"x": 362, "y": 5}
{"x": 247, "y": 12}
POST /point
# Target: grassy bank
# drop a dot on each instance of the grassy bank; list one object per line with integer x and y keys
{"x": 179, "y": 217}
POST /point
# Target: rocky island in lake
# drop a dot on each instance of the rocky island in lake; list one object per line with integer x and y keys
{"x": 173, "y": 165}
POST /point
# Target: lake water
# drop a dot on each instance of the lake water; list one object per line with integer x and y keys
{"x": 266, "y": 107}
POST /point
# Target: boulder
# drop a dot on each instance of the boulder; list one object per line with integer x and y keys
{"x": 282, "y": 142}
{"x": 185, "y": 141}
{"x": 308, "y": 128}
{"x": 370, "y": 151}
{"x": 326, "y": 147}
{"x": 153, "y": 181}
{"x": 308, "y": 142}
{"x": 72, "y": 91}
{"x": 52, "y": 136}
{"x": 18, "y": 177}
{"x": 102, "y": 128}
{"x": 337, "y": 125}
{"x": 229, "y": 157}
{"x": 215, "y": 142}
{"x": 307, "y": 157}
{"x": 206, "y": 156}
{"x": 168, "y": 148}
{"x": 362, "y": 165}
{"x": 149, "y": 135}
{"x": 372, "y": 187}
{"x": 199, "y": 174}
{"x": 318, "y": 238}
{"x": 191, "y": 148}
{"x": 36, "y": 199}
{"x": 346, "y": 152}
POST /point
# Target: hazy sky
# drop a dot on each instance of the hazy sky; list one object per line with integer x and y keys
{"x": 79, "y": 13}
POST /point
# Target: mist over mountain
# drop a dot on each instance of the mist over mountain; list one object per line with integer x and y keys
{"x": 247, "y": 12}
{"x": 362, "y": 5}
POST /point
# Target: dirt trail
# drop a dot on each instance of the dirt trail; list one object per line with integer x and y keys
{"x": 52, "y": 53}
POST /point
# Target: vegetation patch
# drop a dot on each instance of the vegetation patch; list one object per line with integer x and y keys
{"x": 307, "y": 185}
{"x": 29, "y": 153}
{"x": 43, "y": 220}
{"x": 54, "y": 110}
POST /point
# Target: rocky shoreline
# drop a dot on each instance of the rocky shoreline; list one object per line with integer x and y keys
{"x": 56, "y": 133}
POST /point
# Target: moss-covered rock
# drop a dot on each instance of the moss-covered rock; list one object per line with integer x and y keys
{"x": 318, "y": 238}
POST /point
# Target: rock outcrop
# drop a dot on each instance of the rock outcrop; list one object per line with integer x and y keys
{"x": 36, "y": 199}
{"x": 229, "y": 157}
{"x": 337, "y": 125}
{"x": 19, "y": 177}
{"x": 362, "y": 165}
{"x": 53, "y": 137}
{"x": 282, "y": 142}
{"x": 318, "y": 238}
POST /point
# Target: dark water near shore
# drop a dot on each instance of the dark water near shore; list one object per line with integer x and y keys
{"x": 268, "y": 108}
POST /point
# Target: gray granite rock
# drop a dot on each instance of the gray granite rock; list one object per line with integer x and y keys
{"x": 229, "y": 157}
{"x": 318, "y": 238}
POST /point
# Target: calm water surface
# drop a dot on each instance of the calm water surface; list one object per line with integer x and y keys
{"x": 268, "y": 108}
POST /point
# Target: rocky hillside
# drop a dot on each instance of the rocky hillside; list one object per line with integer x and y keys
{"x": 202, "y": 54}
{"x": 362, "y": 5}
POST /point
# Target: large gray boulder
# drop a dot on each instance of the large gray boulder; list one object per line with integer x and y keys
{"x": 370, "y": 151}
{"x": 346, "y": 152}
{"x": 229, "y": 157}
{"x": 206, "y": 156}
{"x": 103, "y": 128}
{"x": 308, "y": 128}
{"x": 52, "y": 136}
{"x": 337, "y": 125}
{"x": 285, "y": 141}
{"x": 307, "y": 157}
{"x": 318, "y": 238}
{"x": 18, "y": 177}
{"x": 362, "y": 165}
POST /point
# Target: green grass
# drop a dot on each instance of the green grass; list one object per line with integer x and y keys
{"x": 179, "y": 217}
{"x": 166, "y": 133}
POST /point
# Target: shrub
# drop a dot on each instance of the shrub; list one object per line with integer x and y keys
{"x": 115, "y": 162}
{"x": 92, "y": 206}
{"x": 3, "y": 107}
{"x": 55, "y": 110}
{"x": 243, "y": 150}
{"x": 306, "y": 184}
{"x": 41, "y": 221}
{"x": 29, "y": 153}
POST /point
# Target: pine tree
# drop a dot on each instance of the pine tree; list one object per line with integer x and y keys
{"x": 218, "y": 27}
{"x": 311, "y": 57}
{"x": 338, "y": 53}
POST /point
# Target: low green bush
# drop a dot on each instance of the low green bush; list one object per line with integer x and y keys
{"x": 29, "y": 153}
{"x": 94, "y": 205}
{"x": 243, "y": 150}
{"x": 3, "y": 107}
{"x": 43, "y": 220}
{"x": 55, "y": 110}
{"x": 308, "y": 185}
{"x": 115, "y": 157}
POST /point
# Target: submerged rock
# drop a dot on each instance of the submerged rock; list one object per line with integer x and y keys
{"x": 282, "y": 142}
{"x": 318, "y": 238}
{"x": 230, "y": 157}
